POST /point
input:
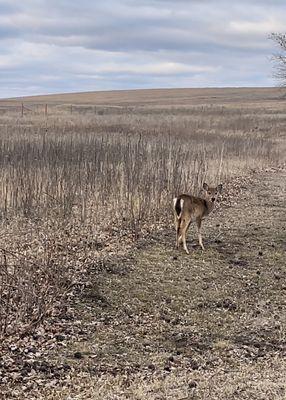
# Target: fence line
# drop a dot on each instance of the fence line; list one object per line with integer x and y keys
{"x": 53, "y": 108}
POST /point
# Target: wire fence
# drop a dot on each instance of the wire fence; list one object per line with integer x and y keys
{"x": 45, "y": 109}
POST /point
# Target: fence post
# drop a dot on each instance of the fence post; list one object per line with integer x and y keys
{"x": 22, "y": 110}
{"x": 46, "y": 110}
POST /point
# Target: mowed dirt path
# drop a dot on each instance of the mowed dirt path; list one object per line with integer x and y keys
{"x": 210, "y": 325}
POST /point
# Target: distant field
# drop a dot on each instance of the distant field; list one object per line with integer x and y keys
{"x": 167, "y": 97}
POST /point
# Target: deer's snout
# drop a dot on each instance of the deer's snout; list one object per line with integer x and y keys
{"x": 213, "y": 199}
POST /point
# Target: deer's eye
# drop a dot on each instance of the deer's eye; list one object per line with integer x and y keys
{"x": 216, "y": 193}
{"x": 209, "y": 192}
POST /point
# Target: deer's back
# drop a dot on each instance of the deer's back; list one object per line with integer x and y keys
{"x": 193, "y": 206}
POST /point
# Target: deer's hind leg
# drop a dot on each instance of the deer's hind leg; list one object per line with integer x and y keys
{"x": 177, "y": 227}
{"x": 199, "y": 224}
{"x": 184, "y": 229}
{"x": 178, "y": 230}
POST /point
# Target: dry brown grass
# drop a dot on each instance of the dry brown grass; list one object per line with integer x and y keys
{"x": 255, "y": 382}
{"x": 129, "y": 162}
{"x": 77, "y": 188}
{"x": 119, "y": 170}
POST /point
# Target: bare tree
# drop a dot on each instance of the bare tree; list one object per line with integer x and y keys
{"x": 280, "y": 57}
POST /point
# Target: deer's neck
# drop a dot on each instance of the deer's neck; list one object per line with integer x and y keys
{"x": 209, "y": 207}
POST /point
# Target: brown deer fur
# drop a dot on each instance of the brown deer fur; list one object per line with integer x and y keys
{"x": 188, "y": 209}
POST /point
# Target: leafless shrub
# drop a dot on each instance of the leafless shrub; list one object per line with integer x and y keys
{"x": 29, "y": 291}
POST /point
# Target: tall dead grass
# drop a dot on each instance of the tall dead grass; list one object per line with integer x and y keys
{"x": 126, "y": 166}
{"x": 112, "y": 170}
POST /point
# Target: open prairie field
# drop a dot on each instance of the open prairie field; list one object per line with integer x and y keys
{"x": 161, "y": 97}
{"x": 95, "y": 301}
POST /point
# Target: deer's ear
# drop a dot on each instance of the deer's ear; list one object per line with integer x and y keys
{"x": 205, "y": 186}
{"x": 219, "y": 187}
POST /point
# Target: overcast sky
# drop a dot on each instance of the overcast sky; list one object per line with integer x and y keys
{"x": 56, "y": 46}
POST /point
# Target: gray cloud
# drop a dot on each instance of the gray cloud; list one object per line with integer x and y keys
{"x": 63, "y": 46}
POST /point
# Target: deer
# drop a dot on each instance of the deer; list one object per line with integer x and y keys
{"x": 188, "y": 209}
